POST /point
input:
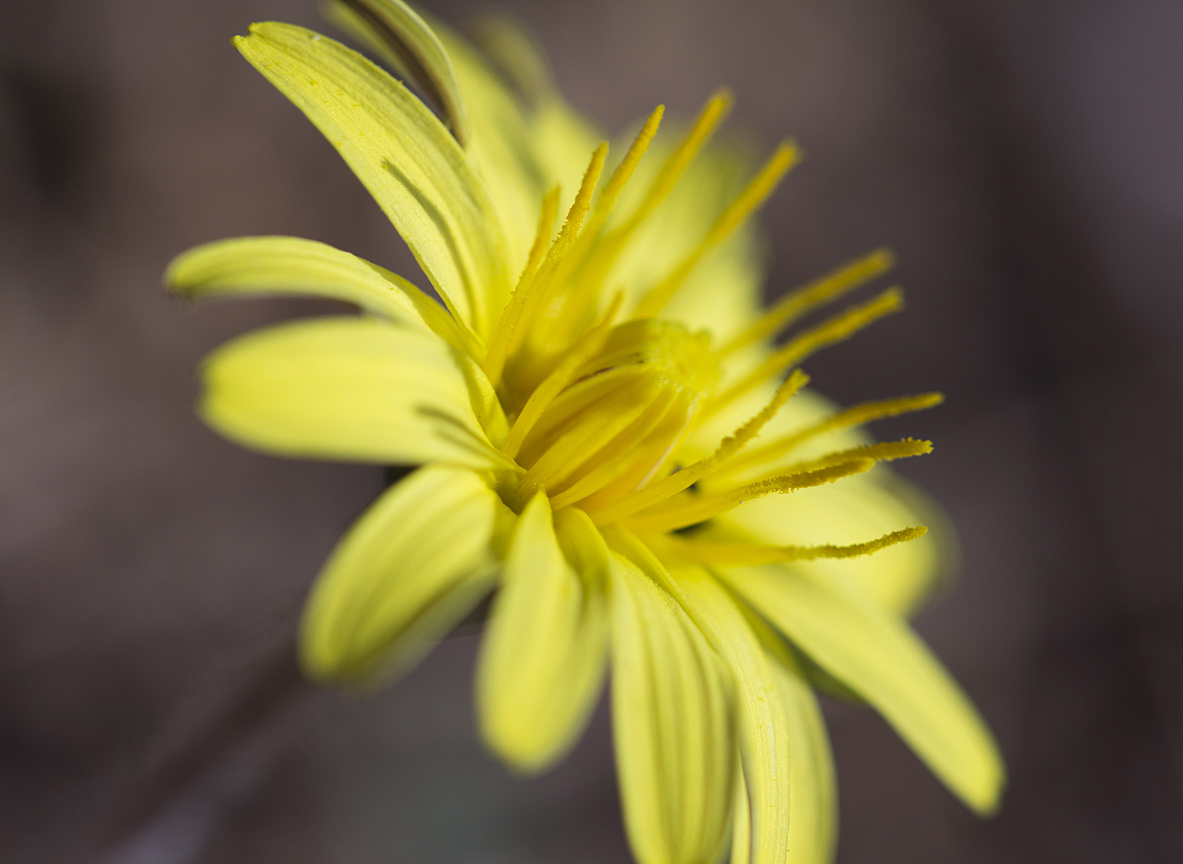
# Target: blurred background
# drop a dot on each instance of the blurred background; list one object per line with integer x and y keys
{"x": 1021, "y": 158}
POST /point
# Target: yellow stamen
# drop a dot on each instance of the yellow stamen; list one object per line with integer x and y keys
{"x": 749, "y": 555}
{"x": 688, "y": 476}
{"x": 499, "y": 343}
{"x": 583, "y": 440}
{"x": 553, "y": 384}
{"x": 623, "y": 453}
{"x": 808, "y": 297}
{"x": 836, "y": 329}
{"x": 704, "y": 126}
{"x": 519, "y": 311}
{"x": 885, "y": 451}
{"x": 587, "y": 287}
{"x": 686, "y": 509}
{"x": 624, "y": 171}
{"x": 708, "y": 120}
{"x": 853, "y": 416}
{"x": 757, "y": 192}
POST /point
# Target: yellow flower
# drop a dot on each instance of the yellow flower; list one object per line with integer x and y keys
{"x": 608, "y": 435}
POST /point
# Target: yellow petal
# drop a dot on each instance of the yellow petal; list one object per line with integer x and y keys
{"x": 673, "y": 724}
{"x": 412, "y": 566}
{"x": 787, "y": 767}
{"x": 348, "y": 388}
{"x": 293, "y": 265}
{"x": 504, "y": 147}
{"x": 543, "y": 655}
{"x": 813, "y": 786}
{"x": 409, "y": 45}
{"x": 882, "y": 660}
{"x": 404, "y": 155}
{"x": 499, "y": 145}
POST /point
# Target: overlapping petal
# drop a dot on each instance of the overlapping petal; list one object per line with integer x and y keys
{"x": 292, "y": 265}
{"x": 418, "y": 561}
{"x": 673, "y": 722}
{"x": 407, "y": 159}
{"x": 498, "y": 142}
{"x": 787, "y": 768}
{"x": 544, "y": 651}
{"x": 351, "y": 388}
{"x": 881, "y": 659}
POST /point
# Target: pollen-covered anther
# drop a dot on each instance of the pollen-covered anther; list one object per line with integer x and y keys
{"x": 615, "y": 425}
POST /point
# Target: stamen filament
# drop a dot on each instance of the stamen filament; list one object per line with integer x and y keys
{"x": 750, "y": 555}
{"x": 518, "y": 314}
{"x": 671, "y": 172}
{"x": 499, "y": 343}
{"x": 884, "y": 451}
{"x": 728, "y": 448}
{"x": 856, "y": 415}
{"x": 753, "y": 196}
{"x": 621, "y": 455}
{"x": 585, "y": 439}
{"x": 554, "y": 383}
{"x": 624, "y": 171}
{"x": 689, "y": 510}
{"x": 586, "y": 288}
{"x": 712, "y": 114}
{"x": 830, "y": 332}
{"x": 808, "y": 297}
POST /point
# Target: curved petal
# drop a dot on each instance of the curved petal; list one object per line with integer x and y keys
{"x": 412, "y": 566}
{"x": 673, "y": 723}
{"x": 505, "y": 147}
{"x": 404, "y": 155}
{"x": 412, "y": 48}
{"x": 499, "y": 144}
{"x": 543, "y": 656}
{"x": 787, "y": 768}
{"x": 348, "y": 388}
{"x": 880, "y": 658}
{"x": 293, "y": 265}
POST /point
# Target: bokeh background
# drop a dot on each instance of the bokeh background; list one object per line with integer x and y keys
{"x": 1021, "y": 158}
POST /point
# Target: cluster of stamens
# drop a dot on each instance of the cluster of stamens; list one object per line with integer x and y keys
{"x": 598, "y": 409}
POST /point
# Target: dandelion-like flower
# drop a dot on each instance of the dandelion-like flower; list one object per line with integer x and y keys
{"x": 608, "y": 435}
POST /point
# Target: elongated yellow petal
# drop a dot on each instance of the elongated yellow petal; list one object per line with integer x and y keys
{"x": 508, "y": 146}
{"x": 293, "y": 265}
{"x": 786, "y": 760}
{"x": 407, "y": 159}
{"x": 405, "y": 40}
{"x": 544, "y": 652}
{"x": 813, "y": 786}
{"x": 414, "y": 564}
{"x": 349, "y": 388}
{"x": 673, "y": 725}
{"x": 764, "y": 743}
{"x": 880, "y": 658}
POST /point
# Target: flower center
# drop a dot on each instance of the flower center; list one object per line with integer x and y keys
{"x": 613, "y": 427}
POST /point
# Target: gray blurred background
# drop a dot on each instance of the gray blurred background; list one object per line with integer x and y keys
{"x": 1021, "y": 157}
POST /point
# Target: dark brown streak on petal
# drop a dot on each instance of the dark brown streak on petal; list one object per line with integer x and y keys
{"x": 416, "y": 68}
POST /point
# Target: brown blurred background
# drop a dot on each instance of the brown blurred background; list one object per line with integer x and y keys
{"x": 1023, "y": 160}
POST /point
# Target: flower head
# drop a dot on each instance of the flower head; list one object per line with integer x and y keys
{"x": 607, "y": 434}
